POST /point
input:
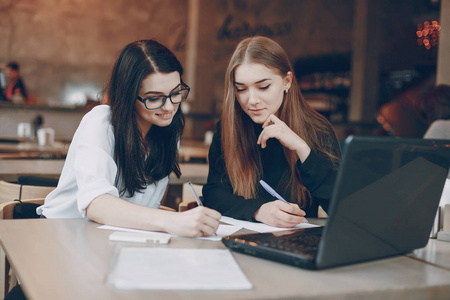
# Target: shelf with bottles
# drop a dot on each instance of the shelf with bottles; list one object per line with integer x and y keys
{"x": 327, "y": 93}
{"x": 334, "y": 83}
{"x": 333, "y": 107}
{"x": 325, "y": 82}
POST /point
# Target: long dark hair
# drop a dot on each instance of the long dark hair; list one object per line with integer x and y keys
{"x": 142, "y": 161}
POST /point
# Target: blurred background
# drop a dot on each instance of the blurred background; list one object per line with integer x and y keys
{"x": 367, "y": 65}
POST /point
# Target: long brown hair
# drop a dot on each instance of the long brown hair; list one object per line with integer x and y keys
{"x": 242, "y": 158}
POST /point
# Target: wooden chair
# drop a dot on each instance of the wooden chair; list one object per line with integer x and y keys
{"x": 7, "y": 276}
{"x": 166, "y": 208}
{"x": 12, "y": 191}
{"x": 33, "y": 191}
{"x": 7, "y": 208}
{"x": 321, "y": 214}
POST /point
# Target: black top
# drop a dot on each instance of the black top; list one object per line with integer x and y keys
{"x": 18, "y": 84}
{"x": 21, "y": 86}
{"x": 316, "y": 171}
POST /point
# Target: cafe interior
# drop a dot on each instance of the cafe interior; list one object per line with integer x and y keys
{"x": 362, "y": 65}
{"x": 371, "y": 67}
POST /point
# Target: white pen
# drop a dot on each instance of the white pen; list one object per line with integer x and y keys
{"x": 199, "y": 202}
{"x": 271, "y": 191}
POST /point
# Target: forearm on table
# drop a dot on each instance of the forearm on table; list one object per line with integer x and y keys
{"x": 110, "y": 210}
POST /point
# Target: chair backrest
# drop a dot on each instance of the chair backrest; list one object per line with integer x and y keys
{"x": 12, "y": 191}
{"x": 8, "y": 191}
{"x": 32, "y": 192}
{"x": 7, "y": 208}
{"x": 7, "y": 212}
{"x": 321, "y": 213}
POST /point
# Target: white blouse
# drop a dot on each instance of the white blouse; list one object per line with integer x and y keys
{"x": 90, "y": 171}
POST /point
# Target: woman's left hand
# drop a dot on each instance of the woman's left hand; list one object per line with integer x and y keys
{"x": 275, "y": 128}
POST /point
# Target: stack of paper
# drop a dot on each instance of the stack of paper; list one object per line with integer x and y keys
{"x": 177, "y": 269}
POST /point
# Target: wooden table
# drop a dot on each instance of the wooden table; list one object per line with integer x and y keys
{"x": 437, "y": 252}
{"x": 30, "y": 149}
{"x": 70, "y": 259}
{"x": 189, "y": 149}
{"x": 11, "y": 169}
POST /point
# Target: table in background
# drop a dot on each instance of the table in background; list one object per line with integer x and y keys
{"x": 436, "y": 252}
{"x": 70, "y": 259}
{"x": 30, "y": 149}
{"x": 11, "y": 169}
{"x": 189, "y": 150}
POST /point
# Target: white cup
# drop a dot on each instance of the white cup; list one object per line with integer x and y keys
{"x": 46, "y": 136}
{"x": 208, "y": 137}
{"x": 24, "y": 130}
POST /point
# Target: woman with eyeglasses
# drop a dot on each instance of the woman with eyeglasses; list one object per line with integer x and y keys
{"x": 118, "y": 165}
{"x": 268, "y": 132}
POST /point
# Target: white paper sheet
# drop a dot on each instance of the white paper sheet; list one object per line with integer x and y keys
{"x": 222, "y": 231}
{"x": 231, "y": 226}
{"x": 177, "y": 269}
{"x": 261, "y": 227}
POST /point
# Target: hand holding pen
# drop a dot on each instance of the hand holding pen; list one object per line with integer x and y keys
{"x": 279, "y": 213}
{"x": 271, "y": 191}
{"x": 197, "y": 198}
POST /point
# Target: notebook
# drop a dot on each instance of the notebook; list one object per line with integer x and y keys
{"x": 384, "y": 202}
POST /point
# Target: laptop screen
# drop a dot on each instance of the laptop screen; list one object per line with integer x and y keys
{"x": 385, "y": 198}
{"x": 384, "y": 202}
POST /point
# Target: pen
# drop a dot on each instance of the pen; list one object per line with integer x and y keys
{"x": 197, "y": 199}
{"x": 199, "y": 202}
{"x": 271, "y": 191}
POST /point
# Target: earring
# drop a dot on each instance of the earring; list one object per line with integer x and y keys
{"x": 286, "y": 90}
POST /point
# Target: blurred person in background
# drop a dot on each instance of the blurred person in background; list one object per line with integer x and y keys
{"x": 16, "y": 91}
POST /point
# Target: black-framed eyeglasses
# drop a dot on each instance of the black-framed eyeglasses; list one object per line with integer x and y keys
{"x": 158, "y": 101}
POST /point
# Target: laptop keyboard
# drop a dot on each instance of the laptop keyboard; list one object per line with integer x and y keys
{"x": 301, "y": 242}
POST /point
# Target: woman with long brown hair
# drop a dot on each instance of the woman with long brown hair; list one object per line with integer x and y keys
{"x": 268, "y": 131}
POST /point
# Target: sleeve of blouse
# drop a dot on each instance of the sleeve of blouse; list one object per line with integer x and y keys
{"x": 218, "y": 193}
{"x": 95, "y": 169}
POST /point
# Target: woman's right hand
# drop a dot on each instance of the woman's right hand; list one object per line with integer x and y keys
{"x": 280, "y": 214}
{"x": 199, "y": 221}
